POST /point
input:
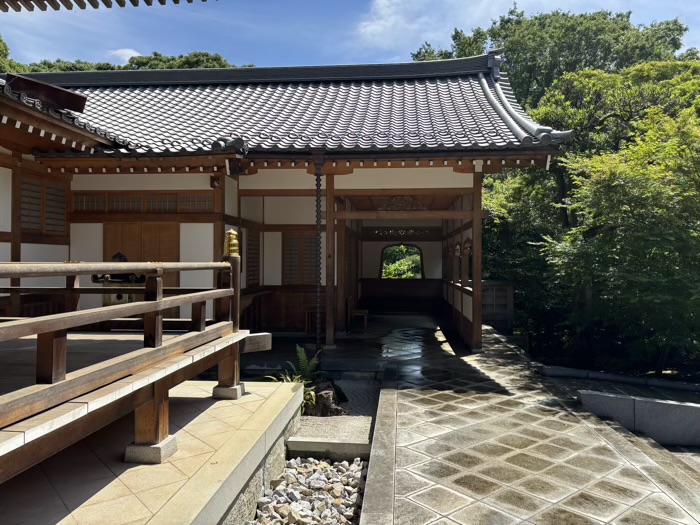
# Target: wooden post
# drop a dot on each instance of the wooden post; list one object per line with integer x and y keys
{"x": 51, "y": 357}
{"x": 16, "y": 237}
{"x": 151, "y": 419}
{"x": 342, "y": 270}
{"x": 229, "y": 373}
{"x": 235, "y": 261}
{"x": 222, "y": 307}
{"x": 153, "y": 321}
{"x": 476, "y": 257}
{"x": 72, "y": 297}
{"x": 330, "y": 260}
{"x": 199, "y": 316}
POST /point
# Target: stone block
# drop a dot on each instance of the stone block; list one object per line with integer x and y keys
{"x": 228, "y": 392}
{"x": 668, "y": 422}
{"x": 151, "y": 454}
{"x": 612, "y": 406}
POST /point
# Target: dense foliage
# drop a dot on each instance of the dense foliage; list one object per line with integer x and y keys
{"x": 194, "y": 60}
{"x": 542, "y": 48}
{"x": 604, "y": 247}
{"x": 401, "y": 262}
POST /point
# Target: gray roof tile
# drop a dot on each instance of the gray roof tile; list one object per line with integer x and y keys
{"x": 415, "y": 106}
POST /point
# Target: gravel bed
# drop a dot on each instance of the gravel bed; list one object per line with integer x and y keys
{"x": 313, "y": 491}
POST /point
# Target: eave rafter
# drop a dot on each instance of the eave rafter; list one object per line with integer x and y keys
{"x": 138, "y": 165}
{"x": 38, "y": 131}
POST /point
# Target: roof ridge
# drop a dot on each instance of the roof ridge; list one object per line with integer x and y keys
{"x": 260, "y": 75}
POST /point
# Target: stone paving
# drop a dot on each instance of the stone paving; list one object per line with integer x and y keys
{"x": 483, "y": 439}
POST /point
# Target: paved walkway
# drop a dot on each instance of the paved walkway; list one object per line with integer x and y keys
{"x": 483, "y": 439}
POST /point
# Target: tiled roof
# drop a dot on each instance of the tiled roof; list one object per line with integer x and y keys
{"x": 461, "y": 104}
{"x": 42, "y": 5}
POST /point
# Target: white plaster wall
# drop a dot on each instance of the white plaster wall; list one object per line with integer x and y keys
{"x": 86, "y": 242}
{"x": 467, "y": 306}
{"x": 4, "y": 257}
{"x": 44, "y": 253}
{"x": 196, "y": 245}
{"x": 272, "y": 258}
{"x": 291, "y": 210}
{"x": 404, "y": 178}
{"x": 231, "y": 196}
{"x": 5, "y": 199}
{"x": 252, "y": 208}
{"x": 141, "y": 181}
{"x": 372, "y": 254}
{"x": 280, "y": 179}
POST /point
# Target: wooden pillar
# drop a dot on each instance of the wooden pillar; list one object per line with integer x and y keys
{"x": 342, "y": 271}
{"x": 151, "y": 420}
{"x": 476, "y": 257}
{"x": 330, "y": 260}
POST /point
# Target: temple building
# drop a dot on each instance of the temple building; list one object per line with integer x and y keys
{"x": 156, "y": 165}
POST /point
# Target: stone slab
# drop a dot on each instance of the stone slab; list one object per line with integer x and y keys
{"x": 333, "y": 449}
{"x": 151, "y": 454}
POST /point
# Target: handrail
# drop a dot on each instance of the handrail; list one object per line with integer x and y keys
{"x": 94, "y": 290}
{"x": 30, "y": 400}
{"x": 68, "y": 320}
{"x": 19, "y": 270}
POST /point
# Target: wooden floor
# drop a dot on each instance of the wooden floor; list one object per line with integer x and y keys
{"x": 18, "y": 357}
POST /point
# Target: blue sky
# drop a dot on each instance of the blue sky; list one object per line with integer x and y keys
{"x": 283, "y": 32}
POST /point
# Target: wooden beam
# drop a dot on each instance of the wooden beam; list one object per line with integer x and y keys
{"x": 51, "y": 357}
{"x": 330, "y": 260}
{"x": 399, "y": 215}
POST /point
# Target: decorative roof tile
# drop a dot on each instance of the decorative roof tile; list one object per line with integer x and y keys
{"x": 445, "y": 105}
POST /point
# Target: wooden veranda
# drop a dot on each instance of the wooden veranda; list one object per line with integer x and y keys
{"x": 65, "y": 403}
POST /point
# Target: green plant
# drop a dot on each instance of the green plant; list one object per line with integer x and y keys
{"x": 306, "y": 368}
{"x": 288, "y": 377}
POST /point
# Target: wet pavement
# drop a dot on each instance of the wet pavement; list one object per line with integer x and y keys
{"x": 483, "y": 439}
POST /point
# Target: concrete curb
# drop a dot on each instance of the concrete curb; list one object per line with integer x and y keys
{"x": 575, "y": 373}
{"x": 666, "y": 422}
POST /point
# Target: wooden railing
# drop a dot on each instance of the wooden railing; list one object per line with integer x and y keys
{"x": 54, "y": 386}
{"x": 141, "y": 377}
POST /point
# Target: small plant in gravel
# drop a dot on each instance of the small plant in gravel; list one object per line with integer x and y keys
{"x": 309, "y": 392}
{"x": 306, "y": 367}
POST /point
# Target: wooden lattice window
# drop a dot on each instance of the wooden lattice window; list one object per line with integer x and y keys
{"x": 161, "y": 202}
{"x": 252, "y": 254}
{"x": 299, "y": 258}
{"x": 124, "y": 202}
{"x": 143, "y": 201}
{"x": 196, "y": 203}
{"x": 43, "y": 206}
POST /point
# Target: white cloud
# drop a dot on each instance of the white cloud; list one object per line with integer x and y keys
{"x": 124, "y": 54}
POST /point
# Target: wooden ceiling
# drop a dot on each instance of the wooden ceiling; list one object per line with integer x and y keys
{"x": 402, "y": 202}
{"x": 43, "y": 5}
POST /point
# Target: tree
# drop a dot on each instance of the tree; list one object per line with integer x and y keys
{"x": 7, "y": 65}
{"x": 637, "y": 244}
{"x": 542, "y": 48}
{"x": 401, "y": 262}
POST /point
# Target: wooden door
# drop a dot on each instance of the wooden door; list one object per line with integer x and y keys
{"x": 146, "y": 242}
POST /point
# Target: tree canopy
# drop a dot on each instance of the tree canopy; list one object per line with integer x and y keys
{"x": 194, "y": 60}
{"x": 542, "y": 48}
